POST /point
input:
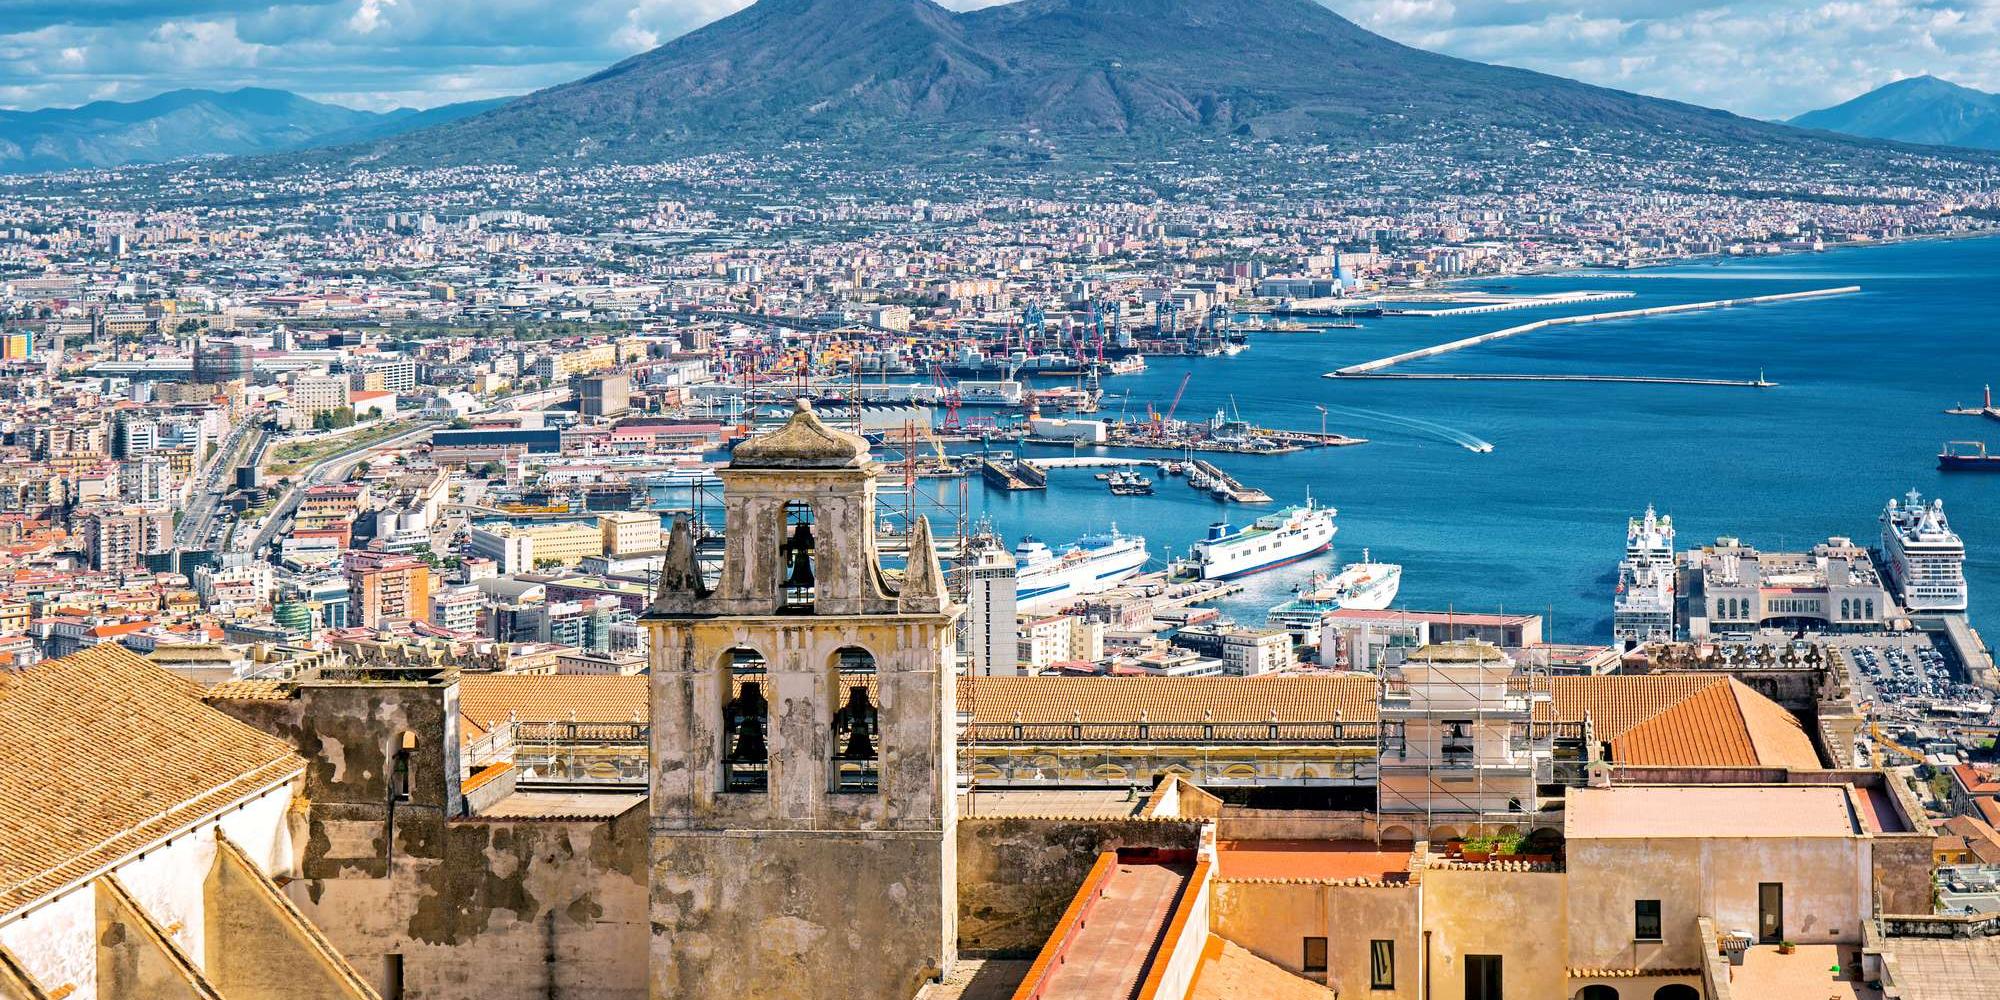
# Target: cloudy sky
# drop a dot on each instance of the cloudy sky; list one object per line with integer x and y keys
{"x": 1769, "y": 58}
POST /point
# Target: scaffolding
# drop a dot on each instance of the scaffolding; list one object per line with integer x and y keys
{"x": 1459, "y": 745}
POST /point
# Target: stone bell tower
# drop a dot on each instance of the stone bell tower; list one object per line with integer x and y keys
{"x": 803, "y": 741}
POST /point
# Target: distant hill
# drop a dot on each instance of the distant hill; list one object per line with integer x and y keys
{"x": 1080, "y": 71}
{"x": 185, "y": 123}
{"x": 1919, "y": 109}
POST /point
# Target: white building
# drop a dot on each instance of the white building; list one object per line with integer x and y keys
{"x": 312, "y": 395}
{"x": 511, "y": 553}
{"x": 991, "y": 631}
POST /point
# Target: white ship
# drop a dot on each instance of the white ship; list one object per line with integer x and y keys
{"x": 1925, "y": 558}
{"x": 1277, "y": 538}
{"x": 1643, "y": 610}
{"x": 1365, "y": 586}
{"x": 1048, "y": 579}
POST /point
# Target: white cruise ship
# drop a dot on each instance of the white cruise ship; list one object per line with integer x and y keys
{"x": 1643, "y": 610}
{"x": 1365, "y": 586}
{"x": 1049, "y": 579}
{"x": 1271, "y": 541}
{"x": 1924, "y": 557}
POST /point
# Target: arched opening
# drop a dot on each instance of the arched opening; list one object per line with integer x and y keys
{"x": 1845, "y": 605}
{"x": 1397, "y": 835}
{"x": 857, "y": 723}
{"x": 746, "y": 722}
{"x": 1677, "y": 991}
{"x": 1599, "y": 992}
{"x": 795, "y": 557}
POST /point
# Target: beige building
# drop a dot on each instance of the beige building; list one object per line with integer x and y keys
{"x": 312, "y": 395}
{"x": 629, "y": 532}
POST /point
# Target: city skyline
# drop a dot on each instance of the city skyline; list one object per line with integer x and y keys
{"x": 383, "y": 54}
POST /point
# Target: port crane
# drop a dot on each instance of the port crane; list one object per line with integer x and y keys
{"x": 1159, "y": 422}
{"x": 949, "y": 395}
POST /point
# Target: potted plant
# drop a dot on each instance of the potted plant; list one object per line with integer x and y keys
{"x": 1786, "y": 947}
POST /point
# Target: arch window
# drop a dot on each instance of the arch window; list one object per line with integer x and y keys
{"x": 1598, "y": 992}
{"x": 1677, "y": 991}
{"x": 795, "y": 559}
{"x": 746, "y": 723}
{"x": 857, "y": 724}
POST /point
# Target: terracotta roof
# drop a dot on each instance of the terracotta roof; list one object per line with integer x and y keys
{"x": 488, "y": 698}
{"x": 1617, "y": 702}
{"x": 1972, "y": 834}
{"x": 107, "y": 753}
{"x": 1294, "y": 698}
{"x": 1725, "y": 724}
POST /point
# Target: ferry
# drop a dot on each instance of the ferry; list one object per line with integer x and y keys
{"x": 1274, "y": 540}
{"x": 1925, "y": 558}
{"x": 1045, "y": 578}
{"x": 1642, "y": 610}
{"x": 1366, "y": 586}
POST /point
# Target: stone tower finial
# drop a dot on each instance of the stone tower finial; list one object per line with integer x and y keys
{"x": 680, "y": 574}
{"x": 923, "y": 581}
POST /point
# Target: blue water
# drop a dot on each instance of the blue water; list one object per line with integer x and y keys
{"x": 1538, "y": 525}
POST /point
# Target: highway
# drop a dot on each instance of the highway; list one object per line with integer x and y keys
{"x": 217, "y": 479}
{"x": 332, "y": 468}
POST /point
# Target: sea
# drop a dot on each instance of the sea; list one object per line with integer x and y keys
{"x": 1537, "y": 525}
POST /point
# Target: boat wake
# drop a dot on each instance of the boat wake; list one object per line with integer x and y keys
{"x": 1430, "y": 427}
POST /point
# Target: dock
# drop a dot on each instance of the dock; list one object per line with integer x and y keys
{"x": 1204, "y": 476}
{"x": 1379, "y": 366}
{"x": 1512, "y": 303}
{"x": 1017, "y": 476}
{"x": 1749, "y": 383}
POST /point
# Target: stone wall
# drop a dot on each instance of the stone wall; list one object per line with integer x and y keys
{"x": 1017, "y": 875}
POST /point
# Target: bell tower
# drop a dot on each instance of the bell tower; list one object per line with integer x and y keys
{"x": 803, "y": 741}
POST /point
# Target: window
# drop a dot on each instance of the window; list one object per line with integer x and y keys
{"x": 399, "y": 776}
{"x": 1381, "y": 965}
{"x": 392, "y": 977}
{"x": 746, "y": 719}
{"x": 1482, "y": 977}
{"x": 796, "y": 558}
{"x": 857, "y": 730}
{"x": 1646, "y": 919}
{"x": 1315, "y": 954}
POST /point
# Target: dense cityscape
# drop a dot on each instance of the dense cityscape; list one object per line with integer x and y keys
{"x": 609, "y": 578}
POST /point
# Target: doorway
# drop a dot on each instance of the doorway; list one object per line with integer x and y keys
{"x": 1482, "y": 977}
{"x": 1770, "y": 912}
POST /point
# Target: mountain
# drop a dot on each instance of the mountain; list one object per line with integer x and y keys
{"x": 1919, "y": 109}
{"x": 185, "y": 123}
{"x": 1077, "y": 71}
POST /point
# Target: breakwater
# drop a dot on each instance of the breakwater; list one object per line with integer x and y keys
{"x": 1378, "y": 366}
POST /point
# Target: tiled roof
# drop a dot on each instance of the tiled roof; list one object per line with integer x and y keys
{"x": 108, "y": 752}
{"x": 1294, "y": 698}
{"x": 490, "y": 698}
{"x": 1617, "y": 702}
{"x": 1725, "y": 724}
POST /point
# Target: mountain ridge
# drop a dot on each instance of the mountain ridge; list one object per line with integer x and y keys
{"x": 1920, "y": 109}
{"x": 1046, "y": 69}
{"x": 179, "y": 124}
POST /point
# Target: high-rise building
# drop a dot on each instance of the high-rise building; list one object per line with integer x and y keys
{"x": 383, "y": 586}
{"x": 804, "y": 738}
{"x": 218, "y": 361}
{"x": 991, "y": 630}
{"x": 607, "y": 394}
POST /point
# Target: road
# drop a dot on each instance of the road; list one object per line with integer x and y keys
{"x": 329, "y": 469}
{"x": 216, "y": 479}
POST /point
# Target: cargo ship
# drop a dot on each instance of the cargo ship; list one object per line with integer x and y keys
{"x": 1967, "y": 456}
{"x": 1045, "y": 578}
{"x": 1277, "y": 538}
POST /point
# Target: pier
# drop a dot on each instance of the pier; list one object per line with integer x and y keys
{"x": 1378, "y": 366}
{"x": 1204, "y": 476}
{"x": 1506, "y": 305}
{"x": 1756, "y": 383}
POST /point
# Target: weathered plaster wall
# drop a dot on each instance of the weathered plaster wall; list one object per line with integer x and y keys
{"x": 1272, "y": 919}
{"x": 134, "y": 959}
{"x": 550, "y": 909}
{"x": 1017, "y": 875}
{"x": 1519, "y": 916}
{"x": 1826, "y": 892}
{"x": 830, "y": 916}
{"x": 258, "y": 948}
{"x": 57, "y": 942}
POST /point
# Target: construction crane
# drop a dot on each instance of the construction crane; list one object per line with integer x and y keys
{"x": 1159, "y": 423}
{"x": 949, "y": 395}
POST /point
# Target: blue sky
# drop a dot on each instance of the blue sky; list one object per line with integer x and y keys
{"x": 1769, "y": 58}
